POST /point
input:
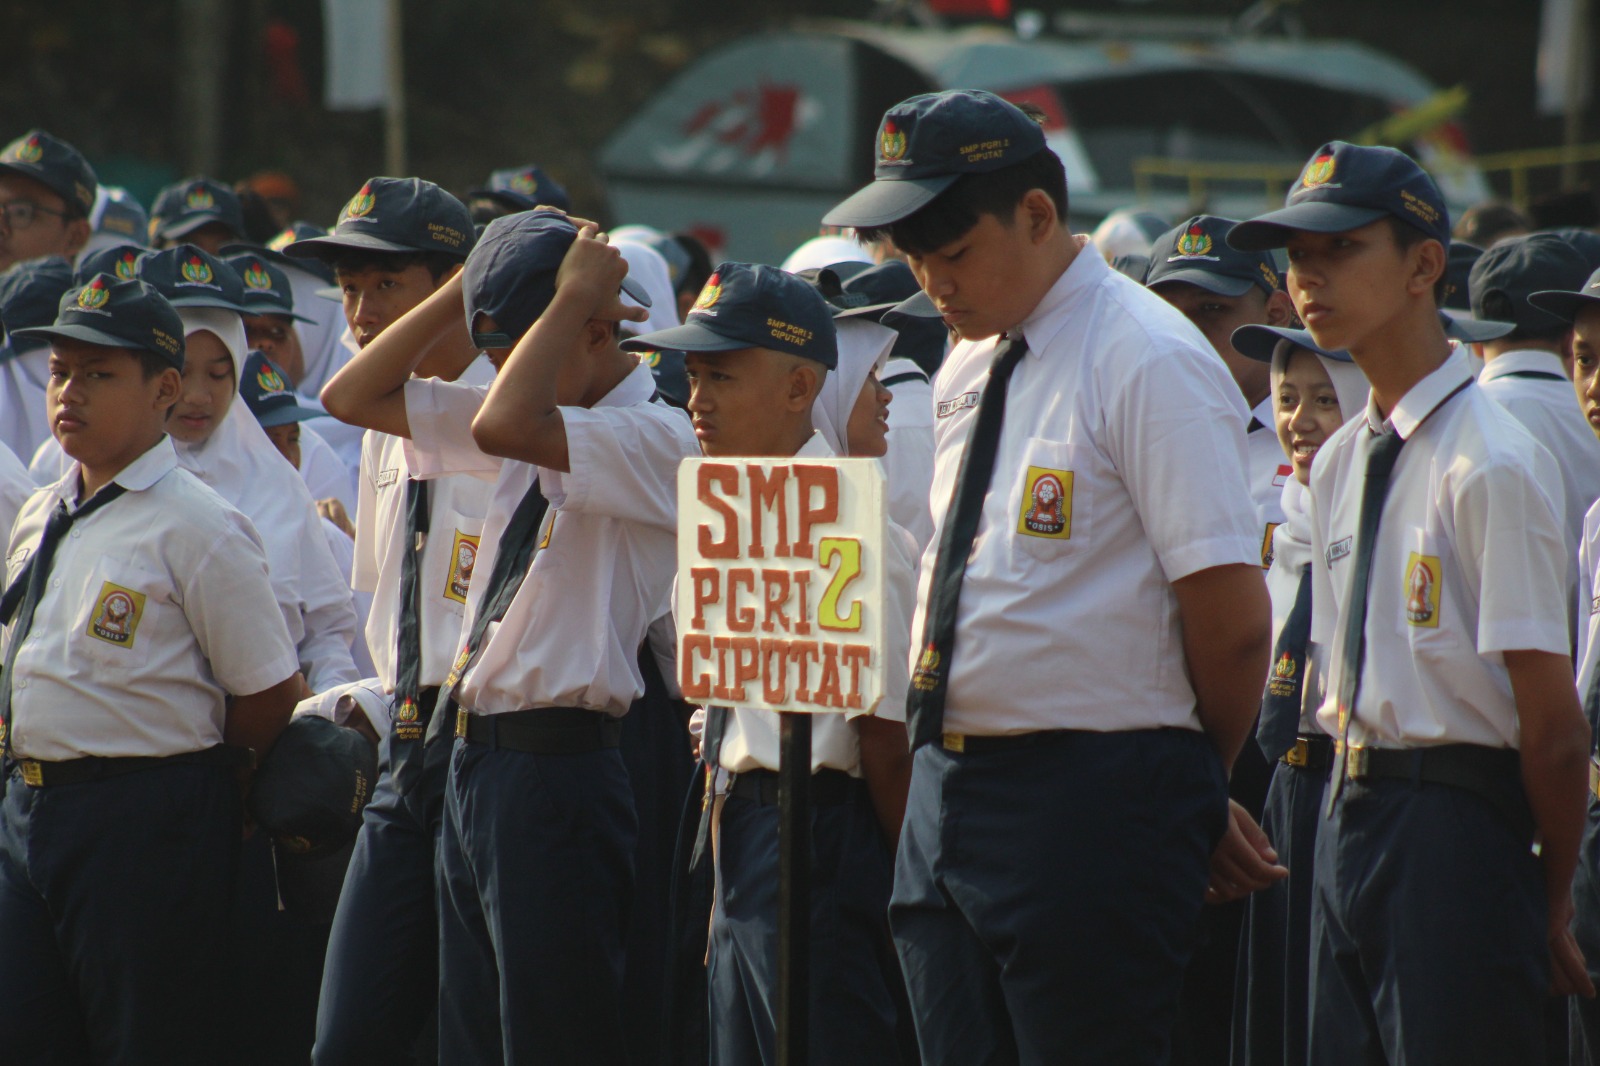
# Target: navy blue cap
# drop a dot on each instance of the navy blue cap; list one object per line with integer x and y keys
{"x": 749, "y": 306}
{"x": 878, "y": 292}
{"x": 119, "y": 260}
{"x": 523, "y": 189}
{"x": 120, "y": 215}
{"x": 295, "y": 231}
{"x": 927, "y": 142}
{"x": 54, "y": 164}
{"x": 511, "y": 274}
{"x": 672, "y": 377}
{"x": 190, "y": 276}
{"x": 394, "y": 215}
{"x": 30, "y": 293}
{"x": 1472, "y": 330}
{"x": 269, "y": 395}
{"x": 313, "y": 785}
{"x": 1131, "y": 264}
{"x": 1258, "y": 342}
{"x": 1197, "y": 252}
{"x": 117, "y": 314}
{"x": 266, "y": 286}
{"x": 1457, "y": 269}
{"x": 1586, "y": 241}
{"x": 1514, "y": 269}
{"x": 1564, "y": 305}
{"x": 1347, "y": 186}
{"x": 185, "y": 206}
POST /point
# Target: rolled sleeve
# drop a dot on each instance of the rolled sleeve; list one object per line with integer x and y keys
{"x": 1513, "y": 550}
{"x": 440, "y": 414}
{"x": 624, "y": 462}
{"x": 234, "y": 614}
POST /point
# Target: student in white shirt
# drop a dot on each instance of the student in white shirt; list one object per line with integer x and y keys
{"x": 1458, "y": 732}
{"x": 144, "y": 652}
{"x": 584, "y": 516}
{"x": 756, "y": 391}
{"x": 15, "y": 487}
{"x": 29, "y": 296}
{"x": 1074, "y": 713}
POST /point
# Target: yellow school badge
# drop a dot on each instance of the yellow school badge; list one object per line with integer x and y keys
{"x": 408, "y": 720}
{"x": 1282, "y": 682}
{"x": 94, "y": 295}
{"x": 1194, "y": 242}
{"x": 709, "y": 295}
{"x": 127, "y": 267}
{"x": 116, "y": 615}
{"x": 1266, "y": 544}
{"x": 463, "y": 557}
{"x": 360, "y": 204}
{"x": 197, "y": 271}
{"x": 271, "y": 381}
{"x": 1318, "y": 172}
{"x": 199, "y": 199}
{"x": 891, "y": 144}
{"x": 926, "y": 676}
{"x": 29, "y": 151}
{"x": 1422, "y": 590}
{"x": 526, "y": 184}
{"x": 257, "y": 278}
{"x": 1046, "y": 504}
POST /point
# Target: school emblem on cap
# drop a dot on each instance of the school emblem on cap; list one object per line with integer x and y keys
{"x": 708, "y": 296}
{"x": 197, "y": 271}
{"x": 1194, "y": 243}
{"x": 283, "y": 240}
{"x": 463, "y": 557}
{"x": 926, "y": 677}
{"x": 891, "y": 144}
{"x": 94, "y": 295}
{"x": 199, "y": 199}
{"x": 116, "y": 615}
{"x": 526, "y": 184}
{"x": 1318, "y": 172}
{"x": 650, "y": 359}
{"x": 1046, "y": 504}
{"x": 360, "y": 204}
{"x": 29, "y": 151}
{"x": 408, "y": 720}
{"x": 127, "y": 266}
{"x": 257, "y": 278}
{"x": 1422, "y": 590}
{"x": 271, "y": 381}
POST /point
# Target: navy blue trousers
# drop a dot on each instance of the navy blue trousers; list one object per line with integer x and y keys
{"x": 852, "y": 1011}
{"x": 1428, "y": 923}
{"x": 1047, "y": 896}
{"x": 380, "y": 985}
{"x": 1272, "y": 1003}
{"x": 1585, "y": 1014}
{"x": 536, "y": 868}
{"x": 114, "y": 900}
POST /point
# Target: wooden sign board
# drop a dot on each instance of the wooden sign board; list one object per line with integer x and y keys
{"x": 780, "y": 583}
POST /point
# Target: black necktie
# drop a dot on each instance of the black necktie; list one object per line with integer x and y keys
{"x": 1381, "y": 458}
{"x": 511, "y": 563}
{"x": 716, "y": 725}
{"x": 1280, "y": 704}
{"x": 408, "y": 649}
{"x": 1255, "y": 424}
{"x": 931, "y": 680}
{"x": 28, "y": 589}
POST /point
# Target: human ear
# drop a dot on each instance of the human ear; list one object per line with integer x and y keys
{"x": 169, "y": 386}
{"x": 804, "y": 384}
{"x": 1428, "y": 265}
{"x": 1038, "y": 210}
{"x": 1280, "y": 309}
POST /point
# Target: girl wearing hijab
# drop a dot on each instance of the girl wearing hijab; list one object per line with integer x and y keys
{"x": 1314, "y": 392}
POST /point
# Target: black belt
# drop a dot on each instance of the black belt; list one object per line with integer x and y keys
{"x": 1495, "y": 774}
{"x": 829, "y": 788}
{"x": 1311, "y": 751}
{"x": 542, "y": 730}
{"x": 968, "y": 744}
{"x": 39, "y": 774}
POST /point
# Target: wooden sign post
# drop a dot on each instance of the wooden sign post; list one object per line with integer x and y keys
{"x": 780, "y": 607}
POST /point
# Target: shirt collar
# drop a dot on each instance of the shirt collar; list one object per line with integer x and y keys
{"x": 636, "y": 388}
{"x": 1075, "y": 285}
{"x": 1523, "y": 359}
{"x": 1423, "y": 398}
{"x": 137, "y": 476}
{"x": 815, "y": 447}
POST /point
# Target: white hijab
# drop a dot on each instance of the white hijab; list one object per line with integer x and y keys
{"x": 825, "y": 252}
{"x": 1291, "y": 542}
{"x": 647, "y": 267}
{"x": 863, "y": 347}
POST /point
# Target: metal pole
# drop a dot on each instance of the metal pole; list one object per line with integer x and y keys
{"x": 203, "y": 37}
{"x": 794, "y": 889}
{"x": 394, "y": 115}
{"x": 1577, "y": 79}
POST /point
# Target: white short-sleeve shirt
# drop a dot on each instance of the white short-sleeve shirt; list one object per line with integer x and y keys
{"x": 751, "y": 739}
{"x": 458, "y": 505}
{"x": 24, "y": 417}
{"x": 608, "y": 544}
{"x": 1470, "y": 562}
{"x": 1122, "y": 411}
{"x": 158, "y": 608}
{"x": 15, "y": 488}
{"x": 908, "y": 464}
{"x": 1588, "y": 600}
{"x": 1269, "y": 471}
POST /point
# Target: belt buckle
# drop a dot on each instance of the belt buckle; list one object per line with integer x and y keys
{"x": 1299, "y": 755}
{"x": 461, "y": 722}
{"x": 955, "y": 742}
{"x": 1355, "y": 761}
{"x": 1594, "y": 776}
{"x": 32, "y": 772}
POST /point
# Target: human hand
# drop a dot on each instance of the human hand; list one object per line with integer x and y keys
{"x": 1569, "y": 973}
{"x": 592, "y": 273}
{"x": 1244, "y": 862}
{"x": 334, "y": 511}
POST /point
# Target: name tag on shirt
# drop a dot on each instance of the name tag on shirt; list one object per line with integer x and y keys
{"x": 1338, "y": 550}
{"x": 947, "y": 408}
{"x": 387, "y": 477}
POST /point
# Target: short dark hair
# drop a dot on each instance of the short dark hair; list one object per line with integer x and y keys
{"x": 698, "y": 272}
{"x": 354, "y": 260}
{"x": 1406, "y": 237}
{"x": 150, "y": 364}
{"x": 958, "y": 208}
{"x": 1484, "y": 223}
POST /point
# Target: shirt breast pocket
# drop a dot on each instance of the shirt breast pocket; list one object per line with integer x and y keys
{"x": 460, "y": 566}
{"x": 121, "y": 613}
{"x": 1051, "y": 506}
{"x": 1424, "y": 601}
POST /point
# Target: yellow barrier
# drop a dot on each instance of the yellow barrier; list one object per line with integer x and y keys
{"x": 1519, "y": 163}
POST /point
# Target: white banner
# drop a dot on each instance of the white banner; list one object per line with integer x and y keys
{"x": 780, "y": 583}
{"x": 355, "y": 47}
